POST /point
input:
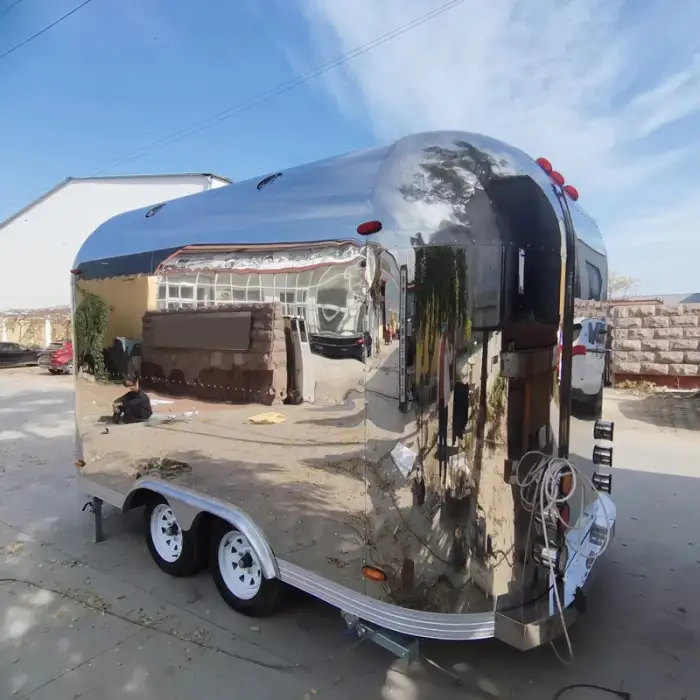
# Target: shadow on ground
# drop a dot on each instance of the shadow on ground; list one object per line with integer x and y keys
{"x": 679, "y": 410}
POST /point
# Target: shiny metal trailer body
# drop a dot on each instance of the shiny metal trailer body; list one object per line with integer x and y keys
{"x": 405, "y": 463}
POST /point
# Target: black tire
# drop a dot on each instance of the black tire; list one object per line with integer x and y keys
{"x": 267, "y": 598}
{"x": 54, "y": 371}
{"x": 191, "y": 559}
{"x": 597, "y": 410}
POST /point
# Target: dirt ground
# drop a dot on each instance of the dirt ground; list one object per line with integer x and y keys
{"x": 79, "y": 620}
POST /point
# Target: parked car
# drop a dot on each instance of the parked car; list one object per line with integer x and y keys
{"x": 16, "y": 355}
{"x": 590, "y": 365}
{"x": 45, "y": 355}
{"x": 61, "y": 360}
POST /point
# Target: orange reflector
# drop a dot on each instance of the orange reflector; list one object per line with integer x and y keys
{"x": 373, "y": 574}
{"x": 565, "y": 483}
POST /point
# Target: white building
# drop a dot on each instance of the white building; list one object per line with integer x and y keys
{"x": 39, "y": 243}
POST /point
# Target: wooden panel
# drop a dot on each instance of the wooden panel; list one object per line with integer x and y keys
{"x": 226, "y": 330}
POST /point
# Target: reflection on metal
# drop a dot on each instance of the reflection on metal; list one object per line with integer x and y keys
{"x": 403, "y": 340}
{"x": 393, "y": 450}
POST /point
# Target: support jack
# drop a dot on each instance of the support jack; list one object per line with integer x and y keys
{"x": 94, "y": 506}
{"x": 405, "y": 648}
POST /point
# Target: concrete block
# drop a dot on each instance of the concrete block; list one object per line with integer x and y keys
{"x": 665, "y": 310}
{"x": 623, "y": 345}
{"x": 637, "y": 356}
{"x": 656, "y": 345}
{"x": 656, "y": 322}
{"x": 684, "y": 370}
{"x": 668, "y": 358}
{"x": 692, "y": 358}
{"x": 618, "y": 312}
{"x": 632, "y": 322}
{"x": 690, "y": 332}
{"x": 668, "y": 333}
{"x": 622, "y": 367}
{"x": 684, "y": 320}
{"x": 643, "y": 310}
{"x": 639, "y": 333}
{"x": 653, "y": 368}
{"x": 686, "y": 344}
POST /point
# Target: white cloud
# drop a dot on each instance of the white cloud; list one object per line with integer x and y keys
{"x": 601, "y": 87}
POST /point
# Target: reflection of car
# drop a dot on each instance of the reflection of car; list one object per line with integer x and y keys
{"x": 61, "y": 360}
{"x": 16, "y": 355}
{"x": 589, "y": 363}
{"x": 358, "y": 346}
{"x": 45, "y": 355}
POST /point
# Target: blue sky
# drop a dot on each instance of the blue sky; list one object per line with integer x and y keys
{"x": 609, "y": 91}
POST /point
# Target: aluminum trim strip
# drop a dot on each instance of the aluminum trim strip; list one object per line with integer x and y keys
{"x": 443, "y": 626}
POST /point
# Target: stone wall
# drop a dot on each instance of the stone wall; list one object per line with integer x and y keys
{"x": 653, "y": 342}
{"x": 253, "y": 370}
{"x": 36, "y": 328}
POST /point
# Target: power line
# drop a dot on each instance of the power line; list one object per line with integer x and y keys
{"x": 7, "y": 9}
{"x": 288, "y": 85}
{"x": 41, "y": 31}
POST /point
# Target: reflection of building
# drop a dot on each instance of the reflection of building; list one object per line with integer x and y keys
{"x": 40, "y": 241}
{"x": 323, "y": 284}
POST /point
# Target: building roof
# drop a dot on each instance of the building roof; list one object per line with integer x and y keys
{"x": 70, "y": 180}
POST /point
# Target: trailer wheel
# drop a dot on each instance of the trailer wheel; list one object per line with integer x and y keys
{"x": 238, "y": 573}
{"x": 175, "y": 552}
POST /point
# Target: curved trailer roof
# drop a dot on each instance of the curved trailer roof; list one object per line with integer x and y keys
{"x": 430, "y": 184}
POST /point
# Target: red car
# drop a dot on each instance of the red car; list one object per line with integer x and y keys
{"x": 61, "y": 360}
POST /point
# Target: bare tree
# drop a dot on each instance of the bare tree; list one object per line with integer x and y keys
{"x": 620, "y": 287}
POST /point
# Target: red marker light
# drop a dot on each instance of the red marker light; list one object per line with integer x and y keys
{"x": 75, "y": 272}
{"x": 545, "y": 165}
{"x": 557, "y": 177}
{"x": 572, "y": 192}
{"x": 369, "y": 227}
{"x": 578, "y": 350}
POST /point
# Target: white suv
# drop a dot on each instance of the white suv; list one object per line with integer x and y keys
{"x": 589, "y": 365}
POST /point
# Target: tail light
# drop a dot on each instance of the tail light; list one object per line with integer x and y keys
{"x": 360, "y": 341}
{"x": 578, "y": 350}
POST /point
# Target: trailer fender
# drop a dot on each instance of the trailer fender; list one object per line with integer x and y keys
{"x": 188, "y": 505}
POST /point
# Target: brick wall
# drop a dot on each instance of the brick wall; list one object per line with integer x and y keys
{"x": 254, "y": 372}
{"x": 652, "y": 341}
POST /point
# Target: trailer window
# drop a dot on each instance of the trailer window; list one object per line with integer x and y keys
{"x": 595, "y": 282}
{"x": 577, "y": 331}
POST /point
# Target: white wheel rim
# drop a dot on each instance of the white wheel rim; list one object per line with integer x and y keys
{"x": 166, "y": 533}
{"x": 239, "y": 566}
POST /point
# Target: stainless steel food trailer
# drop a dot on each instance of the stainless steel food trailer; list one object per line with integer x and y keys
{"x": 439, "y": 489}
